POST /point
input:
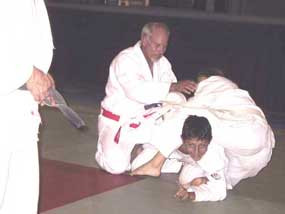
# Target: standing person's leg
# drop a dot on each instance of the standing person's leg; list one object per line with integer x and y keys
{"x": 4, "y": 170}
{"x": 19, "y": 159}
{"x": 22, "y": 187}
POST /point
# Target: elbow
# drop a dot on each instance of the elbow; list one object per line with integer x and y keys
{"x": 222, "y": 196}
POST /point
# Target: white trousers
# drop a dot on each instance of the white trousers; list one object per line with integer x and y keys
{"x": 114, "y": 156}
{"x": 166, "y": 139}
{"x": 19, "y": 165}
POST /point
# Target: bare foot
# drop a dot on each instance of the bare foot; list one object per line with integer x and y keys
{"x": 146, "y": 169}
{"x": 151, "y": 168}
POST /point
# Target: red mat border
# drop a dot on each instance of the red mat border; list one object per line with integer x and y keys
{"x": 63, "y": 183}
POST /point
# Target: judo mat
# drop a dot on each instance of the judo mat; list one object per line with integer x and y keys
{"x": 63, "y": 183}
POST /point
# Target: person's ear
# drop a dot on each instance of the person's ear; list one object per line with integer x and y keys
{"x": 143, "y": 40}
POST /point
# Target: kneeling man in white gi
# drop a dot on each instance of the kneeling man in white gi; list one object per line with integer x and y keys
{"x": 139, "y": 78}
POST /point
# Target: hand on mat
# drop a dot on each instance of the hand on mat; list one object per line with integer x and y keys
{"x": 182, "y": 194}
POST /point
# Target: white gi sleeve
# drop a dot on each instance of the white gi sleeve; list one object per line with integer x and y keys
{"x": 214, "y": 190}
{"x": 16, "y": 62}
{"x": 164, "y": 70}
{"x": 135, "y": 84}
{"x": 213, "y": 163}
{"x": 21, "y": 46}
{"x": 166, "y": 137}
{"x": 43, "y": 44}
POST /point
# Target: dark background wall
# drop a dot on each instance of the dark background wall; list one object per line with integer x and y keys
{"x": 265, "y": 8}
{"x": 252, "y": 54}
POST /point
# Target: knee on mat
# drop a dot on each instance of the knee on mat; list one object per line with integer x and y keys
{"x": 117, "y": 163}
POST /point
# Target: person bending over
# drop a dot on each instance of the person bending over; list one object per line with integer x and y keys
{"x": 239, "y": 127}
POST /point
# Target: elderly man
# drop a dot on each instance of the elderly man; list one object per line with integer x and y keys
{"x": 26, "y": 53}
{"x": 239, "y": 127}
{"x": 139, "y": 77}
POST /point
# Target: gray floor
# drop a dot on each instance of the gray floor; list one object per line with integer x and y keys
{"x": 263, "y": 194}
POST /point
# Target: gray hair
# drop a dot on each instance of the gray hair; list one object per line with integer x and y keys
{"x": 149, "y": 27}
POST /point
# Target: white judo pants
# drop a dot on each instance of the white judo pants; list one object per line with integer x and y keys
{"x": 114, "y": 156}
{"x": 19, "y": 165}
{"x": 111, "y": 156}
{"x": 166, "y": 139}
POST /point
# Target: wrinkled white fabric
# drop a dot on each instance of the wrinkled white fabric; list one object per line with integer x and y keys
{"x": 25, "y": 41}
{"x": 238, "y": 126}
{"x": 130, "y": 86}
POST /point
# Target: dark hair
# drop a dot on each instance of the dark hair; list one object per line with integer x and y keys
{"x": 207, "y": 72}
{"x": 196, "y": 127}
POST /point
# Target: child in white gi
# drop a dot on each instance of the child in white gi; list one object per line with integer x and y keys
{"x": 203, "y": 175}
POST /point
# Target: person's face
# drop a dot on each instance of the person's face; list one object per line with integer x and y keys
{"x": 154, "y": 46}
{"x": 195, "y": 148}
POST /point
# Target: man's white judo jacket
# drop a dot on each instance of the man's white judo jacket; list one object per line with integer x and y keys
{"x": 130, "y": 86}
